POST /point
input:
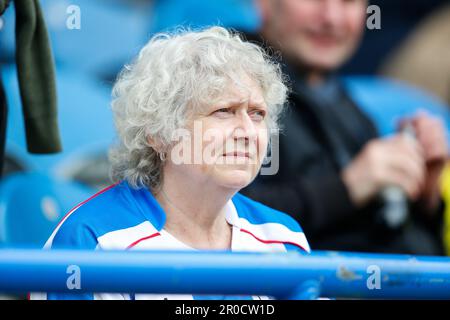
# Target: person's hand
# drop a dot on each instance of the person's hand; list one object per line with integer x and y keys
{"x": 430, "y": 134}
{"x": 398, "y": 160}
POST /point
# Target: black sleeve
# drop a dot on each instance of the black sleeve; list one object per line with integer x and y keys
{"x": 315, "y": 203}
{"x": 432, "y": 221}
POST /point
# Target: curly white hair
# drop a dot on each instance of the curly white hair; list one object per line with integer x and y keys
{"x": 172, "y": 76}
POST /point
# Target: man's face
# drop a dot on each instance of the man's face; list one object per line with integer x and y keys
{"x": 319, "y": 34}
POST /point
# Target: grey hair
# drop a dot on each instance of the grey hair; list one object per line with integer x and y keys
{"x": 172, "y": 75}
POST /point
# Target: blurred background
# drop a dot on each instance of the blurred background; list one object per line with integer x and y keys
{"x": 37, "y": 190}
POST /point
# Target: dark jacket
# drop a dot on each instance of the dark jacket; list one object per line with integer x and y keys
{"x": 320, "y": 137}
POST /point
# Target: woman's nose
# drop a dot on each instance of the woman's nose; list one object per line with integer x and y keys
{"x": 244, "y": 128}
{"x": 332, "y": 12}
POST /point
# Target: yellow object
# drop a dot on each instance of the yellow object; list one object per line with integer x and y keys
{"x": 445, "y": 188}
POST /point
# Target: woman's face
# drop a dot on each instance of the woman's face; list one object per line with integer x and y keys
{"x": 226, "y": 141}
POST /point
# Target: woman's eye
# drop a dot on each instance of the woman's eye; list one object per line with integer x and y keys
{"x": 223, "y": 111}
{"x": 258, "y": 115}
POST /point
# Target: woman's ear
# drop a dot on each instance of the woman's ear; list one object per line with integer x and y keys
{"x": 152, "y": 142}
{"x": 157, "y": 145}
{"x": 158, "y": 148}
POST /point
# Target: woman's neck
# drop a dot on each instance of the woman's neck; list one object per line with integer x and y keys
{"x": 195, "y": 214}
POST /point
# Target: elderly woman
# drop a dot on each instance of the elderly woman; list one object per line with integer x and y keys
{"x": 193, "y": 114}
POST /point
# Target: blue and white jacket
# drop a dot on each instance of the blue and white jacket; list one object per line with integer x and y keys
{"x": 122, "y": 218}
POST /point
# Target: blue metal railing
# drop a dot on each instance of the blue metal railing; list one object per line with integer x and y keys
{"x": 281, "y": 275}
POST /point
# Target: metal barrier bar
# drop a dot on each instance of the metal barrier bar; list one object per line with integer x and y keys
{"x": 281, "y": 275}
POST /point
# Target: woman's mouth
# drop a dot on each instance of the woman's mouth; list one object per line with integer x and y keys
{"x": 237, "y": 154}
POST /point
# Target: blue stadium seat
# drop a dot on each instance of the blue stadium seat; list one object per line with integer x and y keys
{"x": 32, "y": 204}
{"x": 386, "y": 101}
{"x": 238, "y": 14}
{"x": 110, "y": 33}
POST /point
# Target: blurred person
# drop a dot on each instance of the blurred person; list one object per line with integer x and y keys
{"x": 423, "y": 60}
{"x": 204, "y": 94}
{"x": 334, "y": 167}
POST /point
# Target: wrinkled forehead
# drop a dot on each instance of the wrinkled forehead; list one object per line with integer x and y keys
{"x": 237, "y": 91}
